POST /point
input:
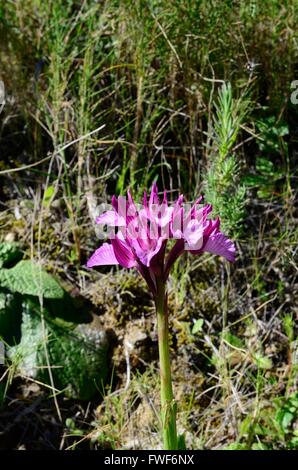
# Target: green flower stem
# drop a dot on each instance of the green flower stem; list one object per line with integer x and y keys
{"x": 168, "y": 405}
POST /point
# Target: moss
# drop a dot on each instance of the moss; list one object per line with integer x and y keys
{"x": 123, "y": 296}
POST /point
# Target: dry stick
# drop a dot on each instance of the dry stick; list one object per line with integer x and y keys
{"x": 136, "y": 132}
{"x": 13, "y": 170}
{"x": 38, "y": 382}
{"x": 167, "y": 39}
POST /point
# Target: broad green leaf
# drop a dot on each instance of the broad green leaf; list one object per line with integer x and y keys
{"x": 29, "y": 278}
{"x": 284, "y": 418}
{"x": 287, "y": 419}
{"x": 77, "y": 357}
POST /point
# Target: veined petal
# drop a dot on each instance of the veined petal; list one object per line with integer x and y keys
{"x": 102, "y": 256}
{"x": 193, "y": 235}
{"x": 179, "y": 201}
{"x": 211, "y": 227}
{"x": 160, "y": 216}
{"x": 165, "y": 216}
{"x": 177, "y": 223}
{"x": 165, "y": 199}
{"x": 154, "y": 194}
{"x": 160, "y": 245}
{"x": 156, "y": 259}
{"x": 123, "y": 253}
{"x": 132, "y": 209}
{"x": 195, "y": 212}
{"x": 221, "y": 245}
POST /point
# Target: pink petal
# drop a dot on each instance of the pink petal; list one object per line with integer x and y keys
{"x": 130, "y": 200}
{"x": 219, "y": 244}
{"x": 102, "y": 256}
{"x": 211, "y": 227}
{"x": 160, "y": 217}
{"x": 110, "y": 218}
{"x": 166, "y": 216}
{"x": 115, "y": 203}
{"x": 199, "y": 200}
{"x": 145, "y": 200}
{"x": 156, "y": 259}
{"x": 123, "y": 253}
{"x": 154, "y": 194}
{"x": 179, "y": 201}
{"x": 165, "y": 199}
{"x": 193, "y": 235}
{"x": 177, "y": 222}
{"x": 150, "y": 254}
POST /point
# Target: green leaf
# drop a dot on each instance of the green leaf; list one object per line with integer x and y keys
{"x": 254, "y": 180}
{"x": 284, "y": 418}
{"x": 47, "y": 195}
{"x": 197, "y": 326}
{"x": 289, "y": 324}
{"x": 9, "y": 252}
{"x": 246, "y": 425}
{"x": 265, "y": 166}
{"x": 259, "y": 446}
{"x": 235, "y": 446}
{"x": 233, "y": 340}
{"x": 287, "y": 419}
{"x": 30, "y": 279}
{"x": 181, "y": 444}
{"x": 262, "y": 362}
{"x": 266, "y": 192}
{"x": 10, "y": 317}
{"x": 77, "y": 356}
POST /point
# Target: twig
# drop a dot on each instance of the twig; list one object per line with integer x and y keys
{"x": 13, "y": 170}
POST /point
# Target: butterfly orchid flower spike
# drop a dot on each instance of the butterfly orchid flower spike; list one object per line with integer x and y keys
{"x": 138, "y": 239}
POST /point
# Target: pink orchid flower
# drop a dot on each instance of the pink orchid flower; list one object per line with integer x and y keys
{"x": 139, "y": 240}
{"x": 143, "y": 233}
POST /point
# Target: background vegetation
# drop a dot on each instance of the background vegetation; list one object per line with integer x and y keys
{"x": 106, "y": 95}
